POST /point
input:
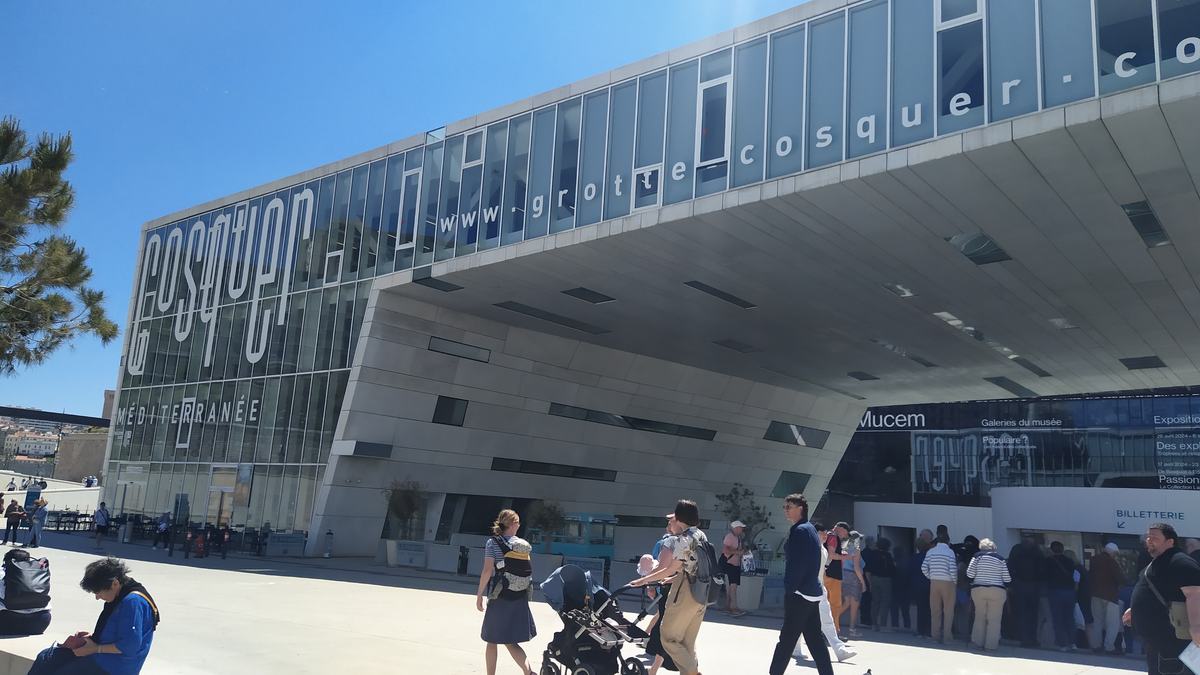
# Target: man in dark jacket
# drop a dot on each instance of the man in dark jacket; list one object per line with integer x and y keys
{"x": 803, "y": 587}
{"x": 1060, "y": 592}
{"x": 1106, "y": 590}
{"x": 1025, "y": 565}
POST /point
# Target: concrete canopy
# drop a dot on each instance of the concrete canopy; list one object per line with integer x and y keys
{"x": 815, "y": 253}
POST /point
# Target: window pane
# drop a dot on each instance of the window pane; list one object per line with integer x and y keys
{"x": 355, "y": 219}
{"x": 336, "y": 256}
{"x": 372, "y": 220}
{"x": 390, "y": 219}
{"x": 448, "y": 214}
{"x": 493, "y": 185}
{"x": 1067, "y": 70}
{"x": 341, "y": 326}
{"x": 541, "y": 161}
{"x": 652, "y": 108}
{"x": 681, "y": 133}
{"x": 410, "y": 216}
{"x": 468, "y": 210}
{"x": 474, "y": 150}
{"x": 646, "y": 187}
{"x": 716, "y": 65}
{"x": 321, "y": 224}
{"x": 956, "y": 9}
{"x": 621, "y": 121}
{"x": 516, "y": 171}
{"x": 912, "y": 63}
{"x": 1179, "y": 39}
{"x": 749, "y": 114}
{"x": 1125, "y": 43}
{"x": 1012, "y": 59}
{"x": 826, "y": 61}
{"x": 866, "y": 118}
{"x": 960, "y": 84}
{"x": 566, "y": 165}
{"x": 712, "y": 122}
{"x": 431, "y": 181}
{"x": 786, "y": 125}
{"x": 591, "y": 158}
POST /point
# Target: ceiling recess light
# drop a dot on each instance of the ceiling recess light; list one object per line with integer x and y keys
{"x": 588, "y": 295}
{"x": 718, "y": 293}
{"x": 1143, "y": 362}
{"x": 1012, "y": 387}
{"x": 551, "y": 317}
{"x": 736, "y": 345}
{"x": 861, "y": 376}
{"x": 979, "y": 248}
{"x": 978, "y": 335}
{"x": 1062, "y": 324}
{"x": 900, "y": 351}
{"x": 1142, "y": 217}
{"x": 899, "y": 290}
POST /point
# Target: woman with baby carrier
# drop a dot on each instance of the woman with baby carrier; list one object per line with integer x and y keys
{"x": 506, "y": 580}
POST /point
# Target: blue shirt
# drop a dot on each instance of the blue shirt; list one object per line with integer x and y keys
{"x": 658, "y": 546}
{"x": 803, "y": 551}
{"x": 131, "y": 629}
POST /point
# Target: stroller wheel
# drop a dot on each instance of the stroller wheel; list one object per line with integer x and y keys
{"x": 549, "y": 669}
{"x": 632, "y": 666}
{"x": 584, "y": 669}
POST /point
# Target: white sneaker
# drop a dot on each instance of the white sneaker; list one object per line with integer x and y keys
{"x": 845, "y": 654}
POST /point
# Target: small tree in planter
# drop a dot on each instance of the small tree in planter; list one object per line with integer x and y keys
{"x": 405, "y": 499}
{"x": 739, "y": 504}
{"x": 548, "y": 517}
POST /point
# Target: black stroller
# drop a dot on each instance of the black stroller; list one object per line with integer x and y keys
{"x": 594, "y": 629}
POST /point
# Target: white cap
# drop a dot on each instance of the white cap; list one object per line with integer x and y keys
{"x": 736, "y": 524}
{"x": 1111, "y": 547}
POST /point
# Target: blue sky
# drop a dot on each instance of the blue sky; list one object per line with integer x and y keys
{"x": 175, "y": 103}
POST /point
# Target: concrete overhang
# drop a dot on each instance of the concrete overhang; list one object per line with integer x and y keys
{"x": 815, "y": 254}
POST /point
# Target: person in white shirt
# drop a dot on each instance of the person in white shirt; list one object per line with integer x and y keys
{"x": 840, "y": 650}
{"x": 941, "y": 568}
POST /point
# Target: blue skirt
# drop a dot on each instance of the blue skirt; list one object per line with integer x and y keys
{"x": 508, "y": 622}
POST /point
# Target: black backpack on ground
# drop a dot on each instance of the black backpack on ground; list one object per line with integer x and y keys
{"x": 26, "y": 581}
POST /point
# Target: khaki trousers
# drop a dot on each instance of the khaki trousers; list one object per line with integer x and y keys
{"x": 941, "y": 609}
{"x": 833, "y": 588}
{"x": 989, "y": 608}
{"x": 680, "y": 626}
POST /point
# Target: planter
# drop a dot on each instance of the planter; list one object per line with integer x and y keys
{"x": 405, "y": 553}
{"x": 749, "y": 593}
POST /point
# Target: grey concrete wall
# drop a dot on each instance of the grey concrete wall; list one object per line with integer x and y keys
{"x": 386, "y": 432}
{"x": 80, "y": 455}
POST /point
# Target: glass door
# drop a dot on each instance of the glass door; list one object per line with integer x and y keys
{"x": 221, "y": 483}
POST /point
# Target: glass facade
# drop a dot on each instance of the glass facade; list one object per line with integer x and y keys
{"x": 245, "y": 317}
{"x": 956, "y": 453}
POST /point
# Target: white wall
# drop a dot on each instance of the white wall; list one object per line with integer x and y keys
{"x": 1060, "y": 512}
{"x": 962, "y": 520}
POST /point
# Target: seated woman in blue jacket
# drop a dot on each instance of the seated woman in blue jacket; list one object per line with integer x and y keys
{"x": 121, "y": 640}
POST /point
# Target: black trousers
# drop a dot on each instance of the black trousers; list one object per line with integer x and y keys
{"x": 11, "y": 529}
{"x": 801, "y": 617}
{"x": 1025, "y": 611}
{"x": 15, "y": 623}
{"x": 1163, "y": 661}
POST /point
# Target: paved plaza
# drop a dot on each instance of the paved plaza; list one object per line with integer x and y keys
{"x": 258, "y": 615}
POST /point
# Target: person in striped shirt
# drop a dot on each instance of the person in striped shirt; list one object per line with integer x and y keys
{"x": 941, "y": 568}
{"x": 988, "y": 573}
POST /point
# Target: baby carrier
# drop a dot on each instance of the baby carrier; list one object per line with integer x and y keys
{"x": 514, "y": 573}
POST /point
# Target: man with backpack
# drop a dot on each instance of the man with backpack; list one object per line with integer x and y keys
{"x": 691, "y": 559}
{"x": 24, "y": 594}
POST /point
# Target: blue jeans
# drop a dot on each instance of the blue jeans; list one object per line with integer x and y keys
{"x": 35, "y": 534}
{"x": 62, "y": 661}
{"x": 1062, "y": 615}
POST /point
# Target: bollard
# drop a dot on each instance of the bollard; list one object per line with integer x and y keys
{"x": 328, "y": 543}
{"x": 187, "y": 545}
{"x": 225, "y": 546}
